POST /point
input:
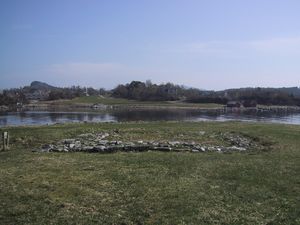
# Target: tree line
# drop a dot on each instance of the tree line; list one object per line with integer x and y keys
{"x": 44, "y": 92}
{"x": 147, "y": 91}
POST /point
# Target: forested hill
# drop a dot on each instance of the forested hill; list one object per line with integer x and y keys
{"x": 37, "y": 85}
{"x": 148, "y": 91}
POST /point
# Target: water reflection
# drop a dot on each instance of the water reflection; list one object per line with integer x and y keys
{"x": 3, "y": 121}
{"x": 47, "y": 117}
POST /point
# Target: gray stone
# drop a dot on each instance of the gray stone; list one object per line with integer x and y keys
{"x": 155, "y": 144}
{"x": 188, "y": 144}
{"x": 201, "y": 132}
{"x": 59, "y": 149}
{"x": 211, "y": 149}
{"x": 103, "y": 142}
{"x": 105, "y": 135}
{"x": 100, "y": 148}
{"x": 235, "y": 148}
{"x": 47, "y": 148}
{"x": 77, "y": 144}
{"x": 87, "y": 148}
{"x": 66, "y": 149}
{"x": 68, "y": 141}
{"x": 162, "y": 149}
{"x": 86, "y": 135}
{"x": 174, "y": 143}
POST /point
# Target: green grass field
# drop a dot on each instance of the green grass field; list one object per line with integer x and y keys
{"x": 126, "y": 102}
{"x": 151, "y": 187}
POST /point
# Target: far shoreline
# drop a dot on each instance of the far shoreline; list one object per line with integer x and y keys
{"x": 107, "y": 104}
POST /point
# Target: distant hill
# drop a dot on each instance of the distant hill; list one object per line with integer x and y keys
{"x": 295, "y": 91}
{"x": 137, "y": 90}
{"x": 147, "y": 91}
{"x": 37, "y": 85}
{"x": 291, "y": 90}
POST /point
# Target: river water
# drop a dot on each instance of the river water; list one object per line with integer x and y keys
{"x": 52, "y": 117}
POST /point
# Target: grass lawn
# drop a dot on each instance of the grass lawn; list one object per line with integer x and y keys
{"x": 151, "y": 187}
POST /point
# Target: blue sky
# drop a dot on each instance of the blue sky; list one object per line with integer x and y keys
{"x": 208, "y": 44}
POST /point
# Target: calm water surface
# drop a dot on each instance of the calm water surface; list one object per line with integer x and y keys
{"x": 48, "y": 117}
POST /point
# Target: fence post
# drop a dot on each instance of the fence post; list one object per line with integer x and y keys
{"x": 5, "y": 139}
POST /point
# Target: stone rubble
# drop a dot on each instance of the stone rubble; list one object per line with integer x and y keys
{"x": 238, "y": 141}
{"x": 90, "y": 142}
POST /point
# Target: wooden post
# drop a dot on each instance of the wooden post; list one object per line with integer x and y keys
{"x": 5, "y": 139}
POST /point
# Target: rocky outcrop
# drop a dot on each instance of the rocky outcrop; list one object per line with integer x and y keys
{"x": 99, "y": 143}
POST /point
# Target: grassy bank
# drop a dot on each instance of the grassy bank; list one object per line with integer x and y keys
{"x": 152, "y": 187}
{"x": 90, "y": 100}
